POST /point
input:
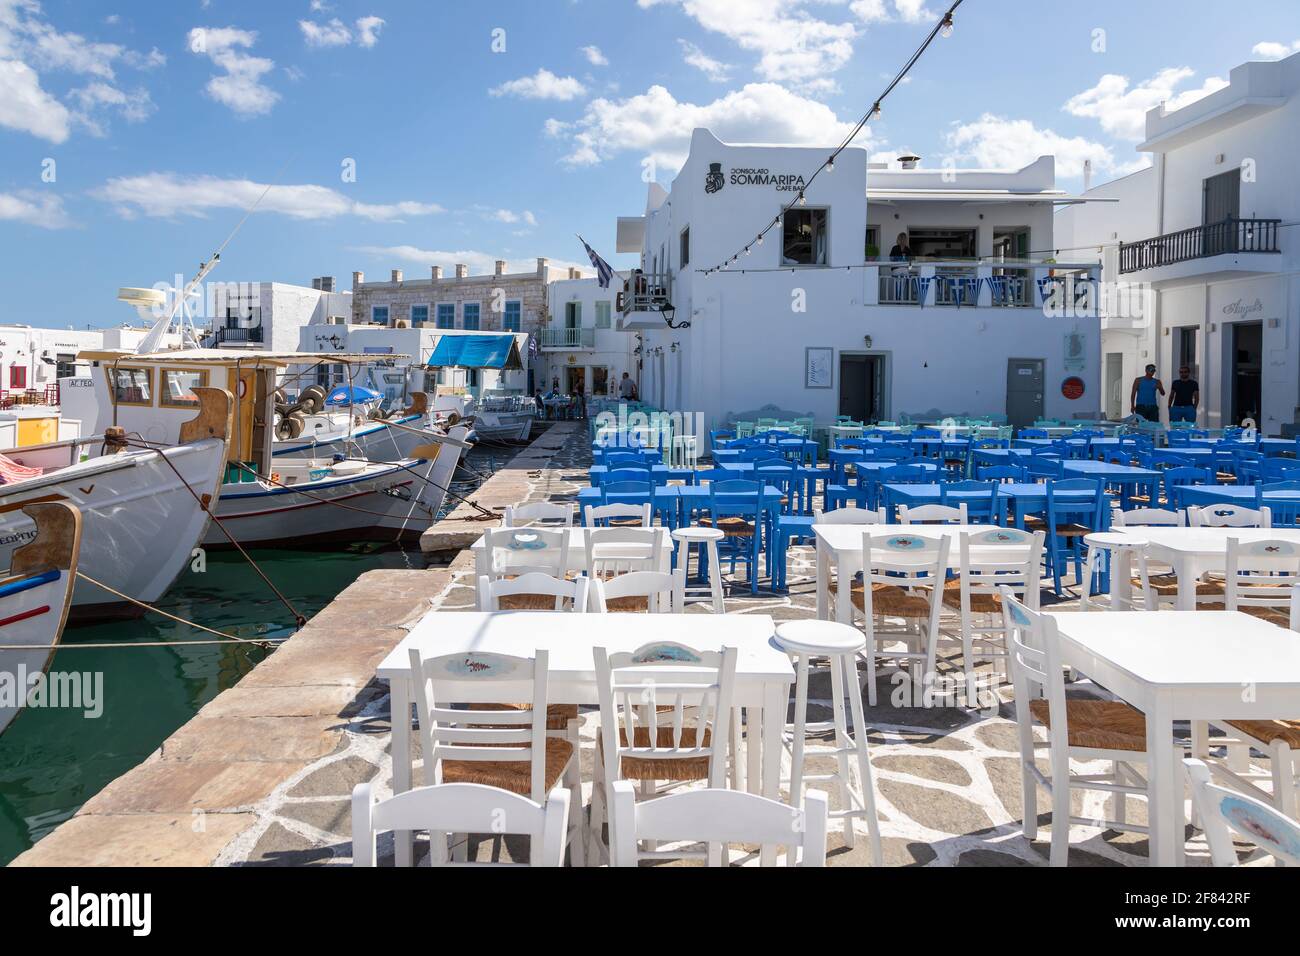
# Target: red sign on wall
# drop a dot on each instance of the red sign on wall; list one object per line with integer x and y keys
{"x": 1072, "y": 388}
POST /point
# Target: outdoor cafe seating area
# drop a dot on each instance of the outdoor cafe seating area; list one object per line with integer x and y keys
{"x": 1110, "y": 591}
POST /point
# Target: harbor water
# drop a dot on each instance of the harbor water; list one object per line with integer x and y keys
{"x": 54, "y": 760}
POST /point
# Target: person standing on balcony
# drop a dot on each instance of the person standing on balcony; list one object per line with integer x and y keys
{"x": 1143, "y": 398}
{"x": 1184, "y": 397}
{"x": 901, "y": 252}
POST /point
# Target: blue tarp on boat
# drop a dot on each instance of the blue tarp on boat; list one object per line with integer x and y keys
{"x": 476, "y": 351}
{"x": 352, "y": 395}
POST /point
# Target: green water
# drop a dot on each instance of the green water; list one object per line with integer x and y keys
{"x": 53, "y": 761}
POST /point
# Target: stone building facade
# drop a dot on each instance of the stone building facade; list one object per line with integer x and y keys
{"x": 513, "y": 302}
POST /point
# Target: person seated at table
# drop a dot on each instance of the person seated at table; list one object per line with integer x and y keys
{"x": 1143, "y": 398}
{"x": 901, "y": 251}
{"x": 1184, "y": 396}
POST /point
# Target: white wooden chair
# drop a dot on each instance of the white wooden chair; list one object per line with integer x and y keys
{"x": 614, "y": 551}
{"x": 990, "y": 561}
{"x": 717, "y": 817}
{"x": 651, "y": 592}
{"x": 1149, "y": 518}
{"x": 1085, "y": 730}
{"x": 665, "y": 715}
{"x": 515, "y": 551}
{"x": 902, "y": 579}
{"x": 617, "y": 515}
{"x": 462, "y": 808}
{"x": 555, "y": 515}
{"x": 1223, "y": 812}
{"x": 850, "y": 516}
{"x": 932, "y": 514}
{"x": 1229, "y": 516}
{"x": 465, "y": 738}
{"x": 533, "y": 591}
{"x": 1263, "y": 580}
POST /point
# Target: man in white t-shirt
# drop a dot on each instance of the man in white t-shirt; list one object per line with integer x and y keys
{"x": 627, "y": 387}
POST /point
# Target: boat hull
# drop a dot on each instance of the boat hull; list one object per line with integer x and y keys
{"x": 32, "y": 614}
{"x": 140, "y": 523}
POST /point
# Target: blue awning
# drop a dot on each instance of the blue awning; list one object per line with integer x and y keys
{"x": 476, "y": 351}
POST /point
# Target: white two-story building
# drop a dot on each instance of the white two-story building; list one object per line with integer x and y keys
{"x": 583, "y": 343}
{"x": 1209, "y": 230}
{"x": 817, "y": 320}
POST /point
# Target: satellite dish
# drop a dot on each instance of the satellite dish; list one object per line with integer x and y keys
{"x": 142, "y": 298}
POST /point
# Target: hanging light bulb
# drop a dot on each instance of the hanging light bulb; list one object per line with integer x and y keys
{"x": 830, "y": 165}
{"x": 760, "y": 239}
{"x": 747, "y": 250}
{"x": 875, "y": 111}
{"x": 945, "y": 30}
{"x": 803, "y": 200}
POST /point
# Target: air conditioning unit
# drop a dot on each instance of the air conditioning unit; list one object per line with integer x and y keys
{"x": 337, "y": 320}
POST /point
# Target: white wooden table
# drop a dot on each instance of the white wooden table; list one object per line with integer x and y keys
{"x": 840, "y": 546}
{"x": 1191, "y": 552}
{"x": 1183, "y": 665}
{"x": 764, "y": 673}
{"x": 577, "y": 552}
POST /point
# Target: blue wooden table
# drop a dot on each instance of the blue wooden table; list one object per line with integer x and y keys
{"x": 1126, "y": 478}
{"x": 1268, "y": 447}
{"x": 1032, "y": 499}
{"x": 648, "y": 456}
{"x": 1284, "y": 505}
{"x": 914, "y": 496}
{"x": 659, "y": 474}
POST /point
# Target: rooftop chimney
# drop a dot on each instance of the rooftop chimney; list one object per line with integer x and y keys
{"x": 501, "y": 267}
{"x": 326, "y": 284}
{"x": 1087, "y": 174}
{"x": 397, "y": 275}
{"x": 437, "y": 273}
{"x": 358, "y": 278}
{"x": 541, "y": 266}
{"x": 909, "y": 161}
{"x": 575, "y": 273}
{"x": 462, "y": 271}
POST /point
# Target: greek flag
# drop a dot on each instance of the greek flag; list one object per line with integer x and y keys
{"x": 604, "y": 271}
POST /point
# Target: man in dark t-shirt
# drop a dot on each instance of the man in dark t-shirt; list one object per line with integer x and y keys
{"x": 1184, "y": 396}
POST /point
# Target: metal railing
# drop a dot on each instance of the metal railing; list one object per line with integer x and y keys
{"x": 235, "y": 335}
{"x": 568, "y": 338}
{"x": 1200, "y": 242}
{"x": 645, "y": 292}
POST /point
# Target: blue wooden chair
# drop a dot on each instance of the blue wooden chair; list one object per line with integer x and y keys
{"x": 1068, "y": 521}
{"x": 1044, "y": 468}
{"x": 980, "y": 498}
{"x": 735, "y": 509}
{"x": 1004, "y": 474}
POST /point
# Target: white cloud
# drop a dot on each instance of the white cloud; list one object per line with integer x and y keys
{"x": 655, "y": 124}
{"x": 594, "y": 56}
{"x": 480, "y": 263}
{"x": 510, "y": 217}
{"x": 31, "y": 45}
{"x": 792, "y": 44}
{"x": 333, "y": 33}
{"x": 715, "y": 70}
{"x": 240, "y": 87}
{"x": 26, "y": 107}
{"x": 542, "y": 85}
{"x": 1121, "y": 109}
{"x": 995, "y": 142}
{"x": 168, "y": 195}
{"x": 34, "y": 209}
{"x": 1275, "y": 51}
{"x": 368, "y": 31}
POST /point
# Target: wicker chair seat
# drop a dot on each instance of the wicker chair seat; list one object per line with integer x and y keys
{"x": 888, "y": 599}
{"x": 512, "y": 775}
{"x": 632, "y": 604}
{"x": 1099, "y": 724}
{"x": 735, "y": 527}
{"x": 1269, "y": 731}
{"x": 679, "y": 769}
{"x": 557, "y": 715}
{"x": 526, "y": 602}
{"x": 981, "y": 602}
{"x": 1166, "y": 585}
{"x": 1271, "y": 614}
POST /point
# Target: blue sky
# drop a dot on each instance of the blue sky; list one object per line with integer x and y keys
{"x": 164, "y": 120}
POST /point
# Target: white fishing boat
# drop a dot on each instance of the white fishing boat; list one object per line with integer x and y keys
{"x": 35, "y": 597}
{"x": 144, "y": 509}
{"x": 266, "y": 500}
{"x": 362, "y": 430}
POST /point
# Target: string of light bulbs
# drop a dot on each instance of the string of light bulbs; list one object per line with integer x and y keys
{"x": 943, "y": 28}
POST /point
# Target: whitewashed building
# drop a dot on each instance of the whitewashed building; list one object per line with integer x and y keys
{"x": 582, "y": 342}
{"x": 1210, "y": 230}
{"x": 270, "y": 315}
{"x": 817, "y": 321}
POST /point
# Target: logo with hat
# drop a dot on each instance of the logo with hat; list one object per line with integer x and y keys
{"x": 714, "y": 181}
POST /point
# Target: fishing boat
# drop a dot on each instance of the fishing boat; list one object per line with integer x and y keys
{"x": 35, "y": 597}
{"x": 144, "y": 509}
{"x": 350, "y": 421}
{"x": 265, "y": 500}
{"x": 497, "y": 416}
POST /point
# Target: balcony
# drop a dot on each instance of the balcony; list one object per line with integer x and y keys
{"x": 645, "y": 292}
{"x": 967, "y": 284}
{"x": 1230, "y": 237}
{"x": 233, "y": 335}
{"x": 567, "y": 339}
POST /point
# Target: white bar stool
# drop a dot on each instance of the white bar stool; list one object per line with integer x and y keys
{"x": 707, "y": 539}
{"x": 1121, "y": 548}
{"x": 841, "y": 644}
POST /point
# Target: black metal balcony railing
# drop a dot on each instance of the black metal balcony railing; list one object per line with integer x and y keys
{"x": 1200, "y": 242}
{"x": 645, "y": 292}
{"x": 234, "y": 335}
